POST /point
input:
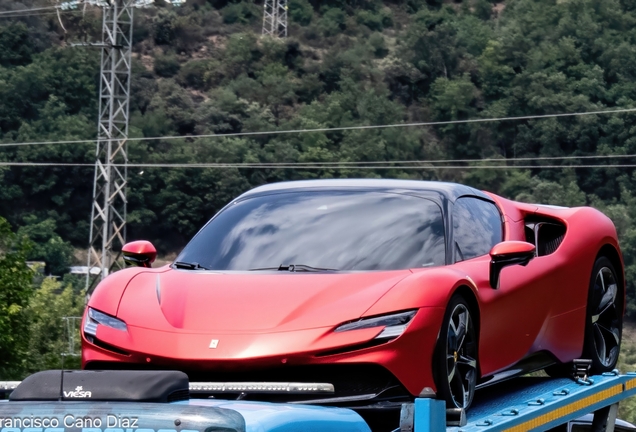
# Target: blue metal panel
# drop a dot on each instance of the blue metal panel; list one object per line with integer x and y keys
{"x": 188, "y": 416}
{"x": 86, "y": 416}
{"x": 537, "y": 404}
{"x": 279, "y": 417}
{"x": 430, "y": 415}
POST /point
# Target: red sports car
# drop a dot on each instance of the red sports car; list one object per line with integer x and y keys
{"x": 381, "y": 289}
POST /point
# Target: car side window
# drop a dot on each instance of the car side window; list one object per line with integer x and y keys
{"x": 477, "y": 227}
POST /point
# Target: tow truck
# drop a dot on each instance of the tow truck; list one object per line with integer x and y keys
{"x": 165, "y": 401}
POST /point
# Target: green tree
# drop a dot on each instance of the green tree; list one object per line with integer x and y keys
{"x": 16, "y": 47}
{"x": 15, "y": 293}
{"x": 47, "y": 245}
{"x": 166, "y": 65}
{"x": 333, "y": 21}
{"x": 48, "y": 332}
{"x": 301, "y": 12}
{"x": 242, "y": 12}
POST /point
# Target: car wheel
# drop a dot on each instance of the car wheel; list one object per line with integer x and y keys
{"x": 456, "y": 355}
{"x": 604, "y": 318}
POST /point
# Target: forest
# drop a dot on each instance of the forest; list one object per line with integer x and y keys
{"x": 202, "y": 70}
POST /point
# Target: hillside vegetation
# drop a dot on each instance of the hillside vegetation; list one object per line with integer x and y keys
{"x": 203, "y": 69}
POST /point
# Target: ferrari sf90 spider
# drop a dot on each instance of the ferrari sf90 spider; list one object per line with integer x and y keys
{"x": 374, "y": 291}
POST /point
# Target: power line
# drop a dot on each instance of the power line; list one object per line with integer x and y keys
{"x": 38, "y": 14}
{"x": 290, "y": 166}
{"x": 420, "y": 161}
{"x": 409, "y": 162}
{"x": 28, "y": 10}
{"x": 337, "y": 129}
{"x": 353, "y": 164}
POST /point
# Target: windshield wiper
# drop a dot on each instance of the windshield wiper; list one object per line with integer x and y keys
{"x": 189, "y": 266}
{"x": 295, "y": 268}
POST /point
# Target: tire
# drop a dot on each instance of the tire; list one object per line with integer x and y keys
{"x": 455, "y": 358}
{"x": 604, "y": 317}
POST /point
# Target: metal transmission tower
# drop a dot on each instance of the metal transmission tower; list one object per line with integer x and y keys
{"x": 275, "y": 18}
{"x": 108, "y": 214}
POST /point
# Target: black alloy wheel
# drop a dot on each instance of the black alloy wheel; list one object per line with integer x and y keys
{"x": 604, "y": 320}
{"x": 456, "y": 355}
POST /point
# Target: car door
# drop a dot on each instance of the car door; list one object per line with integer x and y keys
{"x": 511, "y": 315}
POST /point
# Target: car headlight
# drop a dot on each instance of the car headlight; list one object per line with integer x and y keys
{"x": 394, "y": 324}
{"x": 96, "y": 318}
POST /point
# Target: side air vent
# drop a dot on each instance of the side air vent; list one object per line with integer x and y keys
{"x": 530, "y": 237}
{"x": 547, "y": 236}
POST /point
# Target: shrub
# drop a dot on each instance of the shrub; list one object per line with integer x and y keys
{"x": 375, "y": 20}
{"x": 15, "y": 45}
{"x": 332, "y": 21}
{"x": 200, "y": 74}
{"x": 376, "y": 40}
{"x": 163, "y": 27}
{"x": 242, "y": 13}
{"x": 312, "y": 32}
{"x": 188, "y": 34}
{"x": 370, "y": 19}
{"x": 387, "y": 17}
{"x": 483, "y": 9}
{"x": 192, "y": 74}
{"x": 166, "y": 65}
{"x": 301, "y": 11}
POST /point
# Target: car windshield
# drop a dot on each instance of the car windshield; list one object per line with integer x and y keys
{"x": 324, "y": 230}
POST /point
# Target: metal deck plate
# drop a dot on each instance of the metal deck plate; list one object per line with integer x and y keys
{"x": 536, "y": 404}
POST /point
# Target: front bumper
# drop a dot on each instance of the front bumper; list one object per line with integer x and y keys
{"x": 312, "y": 355}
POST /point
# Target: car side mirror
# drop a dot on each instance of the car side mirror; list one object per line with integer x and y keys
{"x": 139, "y": 253}
{"x": 508, "y": 253}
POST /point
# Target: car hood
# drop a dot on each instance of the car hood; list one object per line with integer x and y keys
{"x": 202, "y": 301}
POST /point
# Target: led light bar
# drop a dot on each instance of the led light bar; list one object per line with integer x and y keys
{"x": 8, "y": 386}
{"x": 260, "y": 387}
{"x": 232, "y": 387}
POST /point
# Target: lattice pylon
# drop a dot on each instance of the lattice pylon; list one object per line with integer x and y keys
{"x": 275, "y": 18}
{"x": 108, "y": 214}
{"x": 281, "y": 19}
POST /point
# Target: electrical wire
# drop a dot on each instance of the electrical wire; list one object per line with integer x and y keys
{"x": 334, "y": 129}
{"x": 332, "y": 167}
{"x": 28, "y": 10}
{"x": 37, "y": 14}
{"x": 353, "y": 164}
{"x": 513, "y": 159}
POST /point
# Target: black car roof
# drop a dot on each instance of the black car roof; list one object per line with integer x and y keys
{"x": 450, "y": 191}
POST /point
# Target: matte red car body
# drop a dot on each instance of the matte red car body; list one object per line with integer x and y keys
{"x": 172, "y": 315}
